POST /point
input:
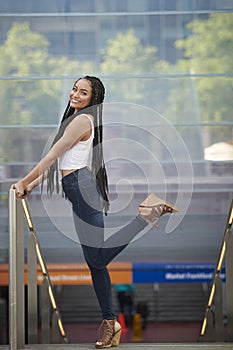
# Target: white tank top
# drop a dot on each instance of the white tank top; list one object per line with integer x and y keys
{"x": 80, "y": 155}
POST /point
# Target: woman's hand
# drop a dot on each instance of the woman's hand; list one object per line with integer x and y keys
{"x": 22, "y": 192}
{"x": 27, "y": 191}
{"x": 19, "y": 188}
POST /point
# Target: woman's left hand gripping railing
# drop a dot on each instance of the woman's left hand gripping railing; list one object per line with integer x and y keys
{"x": 17, "y": 209}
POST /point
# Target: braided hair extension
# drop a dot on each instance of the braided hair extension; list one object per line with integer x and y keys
{"x": 95, "y": 108}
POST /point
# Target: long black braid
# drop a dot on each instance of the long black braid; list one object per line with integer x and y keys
{"x": 95, "y": 108}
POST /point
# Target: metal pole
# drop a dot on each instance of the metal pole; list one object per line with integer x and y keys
{"x": 209, "y": 333}
{"x": 55, "y": 328}
{"x": 45, "y": 312}
{"x": 218, "y": 301}
{"x": 16, "y": 274}
{"x": 227, "y": 241}
{"x": 36, "y": 245}
{"x": 229, "y": 285}
{"x": 12, "y": 272}
{"x": 32, "y": 292}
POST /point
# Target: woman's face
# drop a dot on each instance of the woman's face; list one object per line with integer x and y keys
{"x": 80, "y": 95}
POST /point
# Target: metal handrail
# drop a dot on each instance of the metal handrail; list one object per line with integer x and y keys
{"x": 16, "y": 304}
{"x": 216, "y": 287}
{"x": 43, "y": 266}
{"x": 16, "y": 274}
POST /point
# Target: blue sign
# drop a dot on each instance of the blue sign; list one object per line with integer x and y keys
{"x": 160, "y": 273}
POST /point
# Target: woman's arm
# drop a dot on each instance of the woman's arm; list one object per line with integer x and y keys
{"x": 29, "y": 188}
{"x": 77, "y": 130}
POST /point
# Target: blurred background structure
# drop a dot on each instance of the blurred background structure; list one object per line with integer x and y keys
{"x": 167, "y": 68}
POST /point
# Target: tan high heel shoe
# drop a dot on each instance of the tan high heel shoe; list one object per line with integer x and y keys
{"x": 153, "y": 207}
{"x": 110, "y": 334}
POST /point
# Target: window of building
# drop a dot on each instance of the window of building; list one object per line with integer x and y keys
{"x": 154, "y": 5}
{"x": 81, "y": 5}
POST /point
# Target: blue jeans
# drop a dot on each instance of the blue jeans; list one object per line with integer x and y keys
{"x": 81, "y": 189}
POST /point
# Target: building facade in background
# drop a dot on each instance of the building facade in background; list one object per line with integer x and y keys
{"x": 73, "y": 24}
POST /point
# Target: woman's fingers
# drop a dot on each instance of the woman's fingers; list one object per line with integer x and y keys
{"x": 19, "y": 190}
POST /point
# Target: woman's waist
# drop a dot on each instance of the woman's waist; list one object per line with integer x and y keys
{"x": 67, "y": 173}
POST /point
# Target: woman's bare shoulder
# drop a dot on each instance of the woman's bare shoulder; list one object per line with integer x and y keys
{"x": 82, "y": 119}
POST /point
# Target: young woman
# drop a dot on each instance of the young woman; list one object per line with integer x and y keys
{"x": 77, "y": 149}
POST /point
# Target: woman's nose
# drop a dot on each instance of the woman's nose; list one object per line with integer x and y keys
{"x": 76, "y": 94}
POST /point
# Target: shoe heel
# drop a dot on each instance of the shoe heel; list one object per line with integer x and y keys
{"x": 153, "y": 207}
{"x": 172, "y": 208}
{"x": 116, "y": 338}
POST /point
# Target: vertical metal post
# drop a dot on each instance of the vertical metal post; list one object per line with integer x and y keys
{"x": 208, "y": 337}
{"x": 45, "y": 313}
{"x": 218, "y": 302}
{"x": 55, "y": 329}
{"x": 229, "y": 284}
{"x": 16, "y": 274}
{"x": 32, "y": 292}
{"x": 227, "y": 252}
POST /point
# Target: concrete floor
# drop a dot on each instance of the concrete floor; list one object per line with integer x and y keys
{"x": 210, "y": 346}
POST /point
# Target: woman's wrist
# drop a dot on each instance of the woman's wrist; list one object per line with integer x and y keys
{"x": 31, "y": 186}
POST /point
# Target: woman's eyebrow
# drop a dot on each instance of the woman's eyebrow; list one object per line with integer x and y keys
{"x": 80, "y": 89}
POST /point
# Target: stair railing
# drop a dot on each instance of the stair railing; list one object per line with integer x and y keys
{"x": 212, "y": 329}
{"x": 18, "y": 209}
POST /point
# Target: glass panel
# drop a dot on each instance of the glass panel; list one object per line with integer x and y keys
{"x": 166, "y": 129}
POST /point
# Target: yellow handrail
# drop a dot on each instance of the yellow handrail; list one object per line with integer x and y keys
{"x": 217, "y": 269}
{"x": 43, "y": 267}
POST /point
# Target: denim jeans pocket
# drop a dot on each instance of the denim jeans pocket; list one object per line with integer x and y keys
{"x": 90, "y": 193}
